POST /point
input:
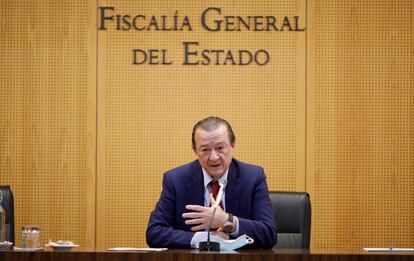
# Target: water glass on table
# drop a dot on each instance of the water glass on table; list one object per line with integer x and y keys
{"x": 31, "y": 237}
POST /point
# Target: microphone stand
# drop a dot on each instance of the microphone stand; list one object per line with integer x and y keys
{"x": 208, "y": 245}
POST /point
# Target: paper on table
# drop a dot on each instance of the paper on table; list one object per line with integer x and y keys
{"x": 136, "y": 249}
{"x": 387, "y": 249}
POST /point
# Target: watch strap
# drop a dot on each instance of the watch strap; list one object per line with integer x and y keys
{"x": 230, "y": 219}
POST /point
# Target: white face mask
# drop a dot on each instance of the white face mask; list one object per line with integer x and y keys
{"x": 232, "y": 244}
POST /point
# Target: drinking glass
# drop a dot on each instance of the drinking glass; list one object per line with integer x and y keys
{"x": 31, "y": 236}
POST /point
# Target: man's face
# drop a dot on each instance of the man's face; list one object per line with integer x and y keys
{"x": 213, "y": 150}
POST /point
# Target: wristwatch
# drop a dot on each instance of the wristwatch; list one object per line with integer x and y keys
{"x": 228, "y": 227}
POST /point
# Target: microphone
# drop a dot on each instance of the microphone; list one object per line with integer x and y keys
{"x": 208, "y": 245}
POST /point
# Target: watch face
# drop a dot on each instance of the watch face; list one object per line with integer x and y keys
{"x": 228, "y": 228}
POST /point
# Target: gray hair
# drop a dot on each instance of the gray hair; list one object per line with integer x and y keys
{"x": 212, "y": 123}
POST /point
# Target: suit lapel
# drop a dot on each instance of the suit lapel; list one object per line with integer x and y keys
{"x": 195, "y": 186}
{"x": 233, "y": 189}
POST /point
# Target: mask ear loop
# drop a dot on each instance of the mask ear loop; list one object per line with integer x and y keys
{"x": 249, "y": 240}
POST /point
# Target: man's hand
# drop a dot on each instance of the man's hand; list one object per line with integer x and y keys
{"x": 201, "y": 216}
{"x": 220, "y": 234}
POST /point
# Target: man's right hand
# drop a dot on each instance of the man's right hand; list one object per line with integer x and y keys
{"x": 201, "y": 216}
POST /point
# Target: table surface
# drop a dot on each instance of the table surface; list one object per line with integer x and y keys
{"x": 80, "y": 254}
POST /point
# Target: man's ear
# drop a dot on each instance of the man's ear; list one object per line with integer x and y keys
{"x": 233, "y": 144}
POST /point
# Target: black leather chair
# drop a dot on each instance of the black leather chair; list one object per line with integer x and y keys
{"x": 292, "y": 211}
{"x": 8, "y": 204}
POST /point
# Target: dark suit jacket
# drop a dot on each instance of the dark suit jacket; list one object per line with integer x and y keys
{"x": 247, "y": 197}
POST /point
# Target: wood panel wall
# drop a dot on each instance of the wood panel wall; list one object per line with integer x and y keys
{"x": 147, "y": 111}
{"x": 47, "y": 116}
{"x": 360, "y": 123}
{"x": 85, "y": 135}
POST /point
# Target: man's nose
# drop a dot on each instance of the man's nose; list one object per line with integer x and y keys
{"x": 213, "y": 155}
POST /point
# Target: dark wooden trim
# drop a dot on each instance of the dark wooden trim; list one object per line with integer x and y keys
{"x": 189, "y": 255}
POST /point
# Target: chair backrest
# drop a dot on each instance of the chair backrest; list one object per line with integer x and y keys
{"x": 292, "y": 212}
{"x": 8, "y": 204}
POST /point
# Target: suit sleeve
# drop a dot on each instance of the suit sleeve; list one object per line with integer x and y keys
{"x": 160, "y": 230}
{"x": 261, "y": 226}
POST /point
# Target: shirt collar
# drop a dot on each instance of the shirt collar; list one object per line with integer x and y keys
{"x": 208, "y": 178}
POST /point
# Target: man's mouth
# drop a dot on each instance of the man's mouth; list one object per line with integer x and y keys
{"x": 215, "y": 165}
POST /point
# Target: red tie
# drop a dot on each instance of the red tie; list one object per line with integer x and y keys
{"x": 214, "y": 189}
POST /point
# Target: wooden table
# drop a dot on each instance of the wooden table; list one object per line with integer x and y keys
{"x": 184, "y": 255}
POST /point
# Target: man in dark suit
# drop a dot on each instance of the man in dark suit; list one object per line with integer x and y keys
{"x": 183, "y": 210}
